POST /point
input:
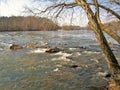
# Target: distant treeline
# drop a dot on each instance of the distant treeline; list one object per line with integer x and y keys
{"x": 113, "y": 25}
{"x": 31, "y": 23}
{"x": 27, "y": 23}
{"x": 70, "y": 27}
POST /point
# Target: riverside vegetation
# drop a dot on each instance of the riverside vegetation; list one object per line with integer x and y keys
{"x": 32, "y": 23}
{"x": 26, "y": 23}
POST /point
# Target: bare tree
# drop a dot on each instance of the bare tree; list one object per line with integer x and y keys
{"x": 97, "y": 26}
{"x": 57, "y": 8}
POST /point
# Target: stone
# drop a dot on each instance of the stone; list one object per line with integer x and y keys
{"x": 83, "y": 47}
{"x": 108, "y": 75}
{"x": 15, "y": 47}
{"x": 74, "y": 66}
{"x": 53, "y": 50}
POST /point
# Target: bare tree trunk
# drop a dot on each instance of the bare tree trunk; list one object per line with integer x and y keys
{"x": 109, "y": 56}
{"x": 109, "y": 32}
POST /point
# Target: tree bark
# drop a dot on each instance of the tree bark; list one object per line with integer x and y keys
{"x": 109, "y": 32}
{"x": 109, "y": 56}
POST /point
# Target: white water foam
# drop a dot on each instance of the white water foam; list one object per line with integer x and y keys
{"x": 38, "y": 50}
{"x": 56, "y": 69}
{"x": 96, "y": 60}
{"x": 62, "y": 56}
{"x": 76, "y": 54}
{"x": 5, "y": 45}
{"x": 72, "y": 49}
{"x": 90, "y": 52}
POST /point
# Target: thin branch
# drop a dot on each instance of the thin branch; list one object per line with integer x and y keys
{"x": 59, "y": 12}
{"x": 116, "y": 2}
{"x": 30, "y": 11}
{"x": 72, "y": 16}
{"x": 109, "y": 10}
{"x": 72, "y": 5}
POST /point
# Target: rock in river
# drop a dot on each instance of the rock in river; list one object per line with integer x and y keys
{"x": 15, "y": 47}
{"x": 53, "y": 50}
{"x": 37, "y": 45}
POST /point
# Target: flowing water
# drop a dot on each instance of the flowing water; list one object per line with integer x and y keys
{"x": 34, "y": 69}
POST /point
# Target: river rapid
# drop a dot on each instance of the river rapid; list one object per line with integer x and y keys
{"x": 79, "y": 65}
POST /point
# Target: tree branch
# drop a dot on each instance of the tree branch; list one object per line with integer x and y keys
{"x": 72, "y": 5}
{"x": 108, "y": 9}
{"x": 116, "y": 2}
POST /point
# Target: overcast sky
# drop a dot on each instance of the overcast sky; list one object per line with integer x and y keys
{"x": 12, "y": 7}
{"x": 16, "y": 8}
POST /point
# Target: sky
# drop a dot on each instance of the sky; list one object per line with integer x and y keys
{"x": 12, "y": 7}
{"x": 16, "y": 8}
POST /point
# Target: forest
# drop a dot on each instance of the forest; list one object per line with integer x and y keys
{"x": 26, "y": 23}
{"x": 32, "y": 23}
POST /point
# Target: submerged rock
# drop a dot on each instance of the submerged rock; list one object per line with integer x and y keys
{"x": 83, "y": 47}
{"x": 30, "y": 45}
{"x": 105, "y": 74}
{"x": 37, "y": 45}
{"x": 74, "y": 66}
{"x": 15, "y": 47}
{"x": 53, "y": 50}
{"x": 108, "y": 75}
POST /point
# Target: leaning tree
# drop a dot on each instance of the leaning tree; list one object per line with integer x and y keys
{"x": 57, "y": 6}
{"x": 93, "y": 15}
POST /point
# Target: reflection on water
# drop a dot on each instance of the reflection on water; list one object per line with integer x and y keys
{"x": 33, "y": 69}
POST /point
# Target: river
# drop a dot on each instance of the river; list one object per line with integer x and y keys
{"x": 80, "y": 65}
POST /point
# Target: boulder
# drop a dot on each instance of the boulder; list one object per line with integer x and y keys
{"x": 15, "y": 47}
{"x": 53, "y": 50}
{"x": 74, "y": 66}
{"x": 83, "y": 47}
